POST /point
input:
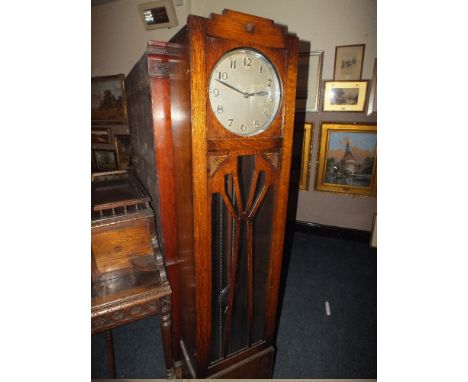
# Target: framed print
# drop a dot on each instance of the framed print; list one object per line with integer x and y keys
{"x": 373, "y": 239}
{"x": 372, "y": 106}
{"x": 348, "y": 62}
{"x": 309, "y": 74}
{"x": 105, "y": 159}
{"x": 99, "y": 136}
{"x": 344, "y": 95}
{"x": 305, "y": 163}
{"x": 122, "y": 147}
{"x": 158, "y": 14}
{"x": 347, "y": 158}
{"x": 108, "y": 103}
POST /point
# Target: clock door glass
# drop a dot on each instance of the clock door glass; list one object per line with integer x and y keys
{"x": 244, "y": 92}
{"x": 242, "y": 218}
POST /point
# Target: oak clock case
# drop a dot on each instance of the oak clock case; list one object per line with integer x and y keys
{"x": 230, "y": 188}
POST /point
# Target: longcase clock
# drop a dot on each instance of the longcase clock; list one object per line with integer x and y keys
{"x": 232, "y": 95}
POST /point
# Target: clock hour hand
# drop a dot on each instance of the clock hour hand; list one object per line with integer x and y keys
{"x": 233, "y": 88}
{"x": 262, "y": 93}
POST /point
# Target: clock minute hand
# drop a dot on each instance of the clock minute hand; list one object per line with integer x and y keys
{"x": 233, "y": 88}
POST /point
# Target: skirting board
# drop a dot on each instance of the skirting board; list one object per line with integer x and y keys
{"x": 332, "y": 231}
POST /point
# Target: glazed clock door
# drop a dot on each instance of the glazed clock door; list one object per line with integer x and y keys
{"x": 242, "y": 206}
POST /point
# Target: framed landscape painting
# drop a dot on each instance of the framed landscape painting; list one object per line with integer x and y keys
{"x": 108, "y": 103}
{"x": 347, "y": 159}
{"x": 344, "y": 95}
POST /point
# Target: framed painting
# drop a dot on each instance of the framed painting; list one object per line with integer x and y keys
{"x": 309, "y": 75}
{"x": 347, "y": 158}
{"x": 99, "y": 135}
{"x": 123, "y": 149}
{"x": 105, "y": 159}
{"x": 305, "y": 162}
{"x": 344, "y": 95}
{"x": 372, "y": 105}
{"x": 108, "y": 102}
{"x": 348, "y": 62}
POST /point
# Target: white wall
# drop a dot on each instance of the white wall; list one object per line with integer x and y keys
{"x": 118, "y": 36}
{"x": 119, "y": 39}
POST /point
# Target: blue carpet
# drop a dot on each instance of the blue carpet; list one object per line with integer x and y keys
{"x": 310, "y": 344}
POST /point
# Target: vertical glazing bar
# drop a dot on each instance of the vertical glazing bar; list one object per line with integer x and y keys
{"x": 250, "y": 282}
{"x": 232, "y": 282}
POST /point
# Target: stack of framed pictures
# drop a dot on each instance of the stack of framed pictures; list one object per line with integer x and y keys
{"x": 347, "y": 92}
{"x": 110, "y": 141}
{"x": 110, "y": 151}
{"x": 347, "y": 150}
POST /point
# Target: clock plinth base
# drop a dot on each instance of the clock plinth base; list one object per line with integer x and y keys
{"x": 258, "y": 366}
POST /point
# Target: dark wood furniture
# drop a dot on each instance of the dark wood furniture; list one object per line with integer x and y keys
{"x": 128, "y": 275}
{"x": 220, "y": 198}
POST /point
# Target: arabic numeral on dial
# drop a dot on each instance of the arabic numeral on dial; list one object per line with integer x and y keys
{"x": 270, "y": 99}
{"x": 260, "y": 69}
{"x": 256, "y": 124}
{"x": 243, "y": 127}
{"x": 215, "y": 92}
{"x": 222, "y": 76}
{"x": 230, "y": 121}
{"x": 269, "y": 82}
{"x": 233, "y": 64}
{"x": 220, "y": 109}
{"x": 247, "y": 61}
{"x": 266, "y": 113}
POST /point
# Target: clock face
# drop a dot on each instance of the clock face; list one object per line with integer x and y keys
{"x": 244, "y": 92}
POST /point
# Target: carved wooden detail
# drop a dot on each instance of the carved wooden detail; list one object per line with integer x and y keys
{"x": 214, "y": 162}
{"x": 273, "y": 158}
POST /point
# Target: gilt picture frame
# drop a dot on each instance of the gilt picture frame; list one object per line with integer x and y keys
{"x": 108, "y": 101}
{"x": 347, "y": 159}
{"x": 309, "y": 76}
{"x": 306, "y": 157}
{"x": 344, "y": 95}
{"x": 372, "y": 104}
{"x": 348, "y": 62}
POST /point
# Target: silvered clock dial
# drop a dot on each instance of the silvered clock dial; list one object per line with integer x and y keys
{"x": 244, "y": 92}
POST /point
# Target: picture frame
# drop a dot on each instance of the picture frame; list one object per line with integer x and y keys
{"x": 348, "y": 62}
{"x": 372, "y": 104}
{"x": 100, "y": 135}
{"x": 105, "y": 159}
{"x": 309, "y": 76}
{"x": 344, "y": 95}
{"x": 347, "y": 159}
{"x": 373, "y": 238}
{"x": 123, "y": 150}
{"x": 108, "y": 100}
{"x": 305, "y": 159}
{"x": 158, "y": 14}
